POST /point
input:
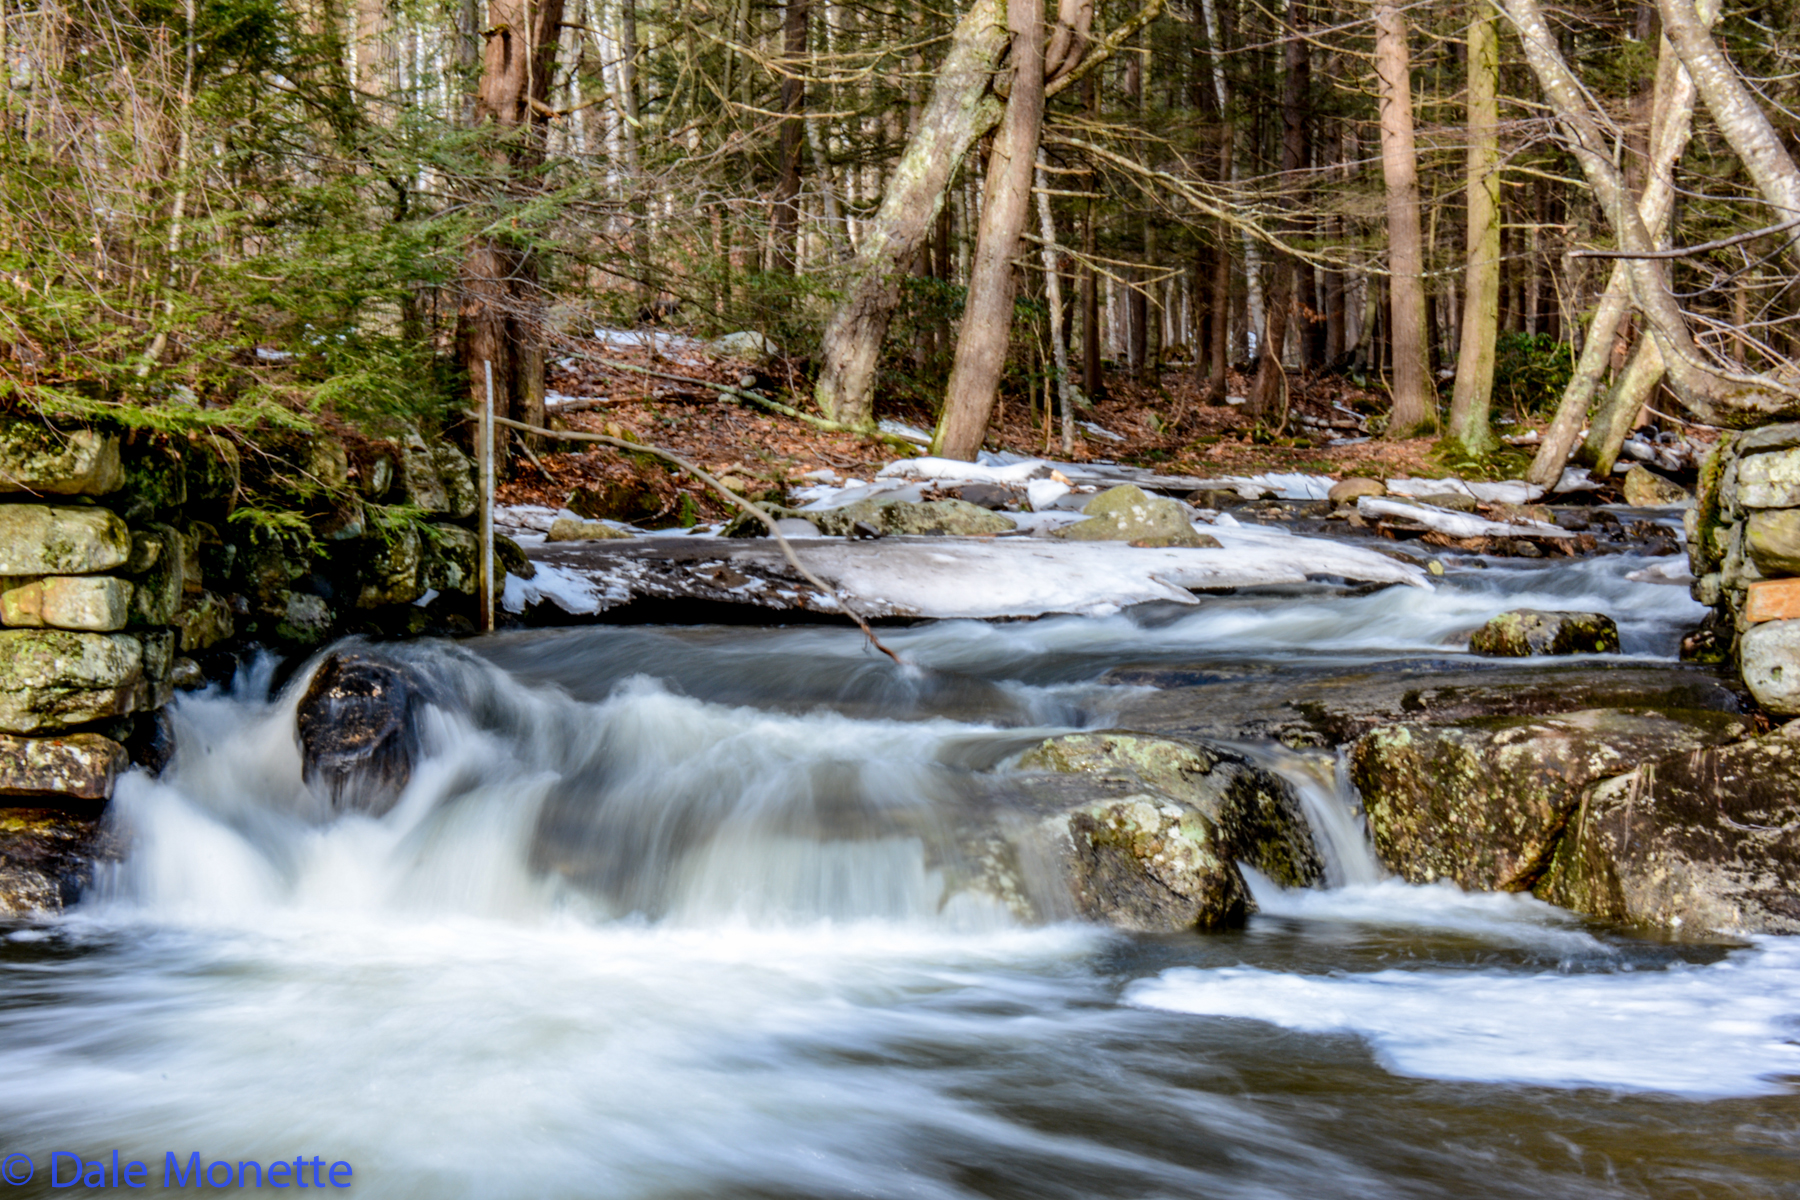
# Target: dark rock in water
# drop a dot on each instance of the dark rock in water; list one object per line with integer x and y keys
{"x": 1483, "y": 803}
{"x": 1527, "y": 631}
{"x": 46, "y": 858}
{"x": 1150, "y": 830}
{"x": 1707, "y": 841}
{"x": 985, "y": 495}
{"x": 358, "y": 731}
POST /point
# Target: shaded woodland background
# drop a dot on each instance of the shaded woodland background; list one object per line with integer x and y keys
{"x": 254, "y": 212}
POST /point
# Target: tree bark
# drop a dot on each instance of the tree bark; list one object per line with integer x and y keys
{"x": 1671, "y": 124}
{"x": 1414, "y": 398}
{"x": 1059, "y": 347}
{"x": 1616, "y": 416}
{"x": 1469, "y": 429}
{"x": 987, "y": 313}
{"x": 500, "y": 319}
{"x": 785, "y": 220}
{"x": 960, "y": 110}
{"x": 1268, "y": 398}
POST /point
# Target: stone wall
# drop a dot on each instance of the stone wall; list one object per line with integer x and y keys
{"x": 132, "y": 565}
{"x": 1744, "y": 546}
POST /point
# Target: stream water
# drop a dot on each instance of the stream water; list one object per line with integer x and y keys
{"x": 662, "y": 914}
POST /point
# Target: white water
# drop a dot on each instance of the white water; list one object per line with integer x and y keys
{"x": 618, "y": 940}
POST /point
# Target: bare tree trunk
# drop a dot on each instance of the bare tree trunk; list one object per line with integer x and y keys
{"x": 500, "y": 319}
{"x": 1059, "y": 348}
{"x": 1269, "y": 392}
{"x": 1615, "y": 418}
{"x": 987, "y": 314}
{"x": 1671, "y": 124}
{"x": 960, "y": 110}
{"x": 1469, "y": 429}
{"x": 1414, "y": 399}
{"x": 785, "y": 220}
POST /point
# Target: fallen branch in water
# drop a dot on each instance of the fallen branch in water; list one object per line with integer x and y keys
{"x": 732, "y": 497}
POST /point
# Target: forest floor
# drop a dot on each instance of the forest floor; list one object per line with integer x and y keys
{"x": 1165, "y": 428}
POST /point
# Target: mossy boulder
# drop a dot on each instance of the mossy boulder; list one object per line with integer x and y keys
{"x": 1644, "y": 488}
{"x": 158, "y": 563}
{"x": 155, "y": 481}
{"x": 420, "y": 483}
{"x": 41, "y": 539}
{"x": 1706, "y": 841}
{"x": 570, "y": 529}
{"x": 77, "y": 766}
{"x": 203, "y": 622}
{"x": 1772, "y": 540}
{"x": 1482, "y": 803}
{"x": 1254, "y": 812}
{"x": 47, "y": 857}
{"x": 54, "y": 462}
{"x": 933, "y": 518}
{"x": 1130, "y": 514}
{"x": 462, "y": 496}
{"x": 1528, "y": 631}
{"x": 452, "y": 559}
{"x": 215, "y": 476}
{"x": 392, "y": 569}
{"x": 52, "y": 679}
{"x": 1148, "y": 864}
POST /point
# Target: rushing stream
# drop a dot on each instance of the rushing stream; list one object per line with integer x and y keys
{"x": 662, "y": 914}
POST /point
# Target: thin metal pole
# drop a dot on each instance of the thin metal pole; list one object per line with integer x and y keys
{"x": 485, "y": 577}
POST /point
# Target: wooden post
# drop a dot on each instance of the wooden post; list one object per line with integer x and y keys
{"x": 484, "y": 586}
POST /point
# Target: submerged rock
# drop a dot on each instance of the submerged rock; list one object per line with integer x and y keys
{"x": 1130, "y": 514}
{"x": 1707, "y": 841}
{"x": 1527, "y": 631}
{"x": 1482, "y": 803}
{"x": 357, "y": 724}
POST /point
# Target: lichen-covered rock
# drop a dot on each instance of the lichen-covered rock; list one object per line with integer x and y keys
{"x": 950, "y": 518}
{"x": 55, "y": 462}
{"x": 81, "y": 766}
{"x": 1528, "y": 631}
{"x": 155, "y": 481}
{"x": 420, "y": 483}
{"x": 1767, "y": 479}
{"x": 1129, "y": 514}
{"x": 1769, "y": 654}
{"x": 1482, "y": 803}
{"x": 357, "y": 722}
{"x": 1644, "y": 488}
{"x": 52, "y": 679}
{"x": 326, "y": 461}
{"x": 1148, "y": 864}
{"x": 392, "y": 570}
{"x": 98, "y": 603}
{"x": 203, "y": 622}
{"x": 1254, "y": 812}
{"x": 1704, "y": 841}
{"x": 570, "y": 529}
{"x": 158, "y": 561}
{"x": 304, "y": 619}
{"x": 452, "y": 560}
{"x": 38, "y": 539}
{"x": 1705, "y": 523}
{"x": 1772, "y": 539}
{"x": 46, "y": 859}
{"x": 457, "y": 471}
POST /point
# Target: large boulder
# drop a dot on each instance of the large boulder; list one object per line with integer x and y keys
{"x": 1772, "y": 540}
{"x": 1706, "y": 841}
{"x": 952, "y": 518}
{"x": 358, "y": 728}
{"x": 420, "y": 483}
{"x": 1527, "y": 631}
{"x": 46, "y": 858}
{"x": 1644, "y": 488}
{"x": 1130, "y": 514}
{"x": 37, "y": 539}
{"x": 1765, "y": 478}
{"x": 1769, "y": 654}
{"x": 55, "y": 462}
{"x": 98, "y": 603}
{"x": 1255, "y": 812}
{"x": 392, "y": 569}
{"x": 1349, "y": 491}
{"x": 452, "y": 559}
{"x": 1482, "y": 803}
{"x": 572, "y": 529}
{"x": 462, "y": 496}
{"x": 77, "y": 766}
{"x": 1147, "y": 864}
{"x": 52, "y": 679}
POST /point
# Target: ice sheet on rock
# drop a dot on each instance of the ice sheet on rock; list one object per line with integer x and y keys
{"x": 1042, "y": 492}
{"x": 823, "y": 497}
{"x": 1577, "y": 479}
{"x": 951, "y": 470}
{"x": 1097, "y": 431}
{"x": 573, "y": 593}
{"x": 1507, "y": 491}
{"x": 1669, "y": 570}
{"x": 528, "y": 519}
{"x": 1455, "y": 524}
{"x": 657, "y": 340}
{"x": 1025, "y": 577}
{"x": 901, "y": 429}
